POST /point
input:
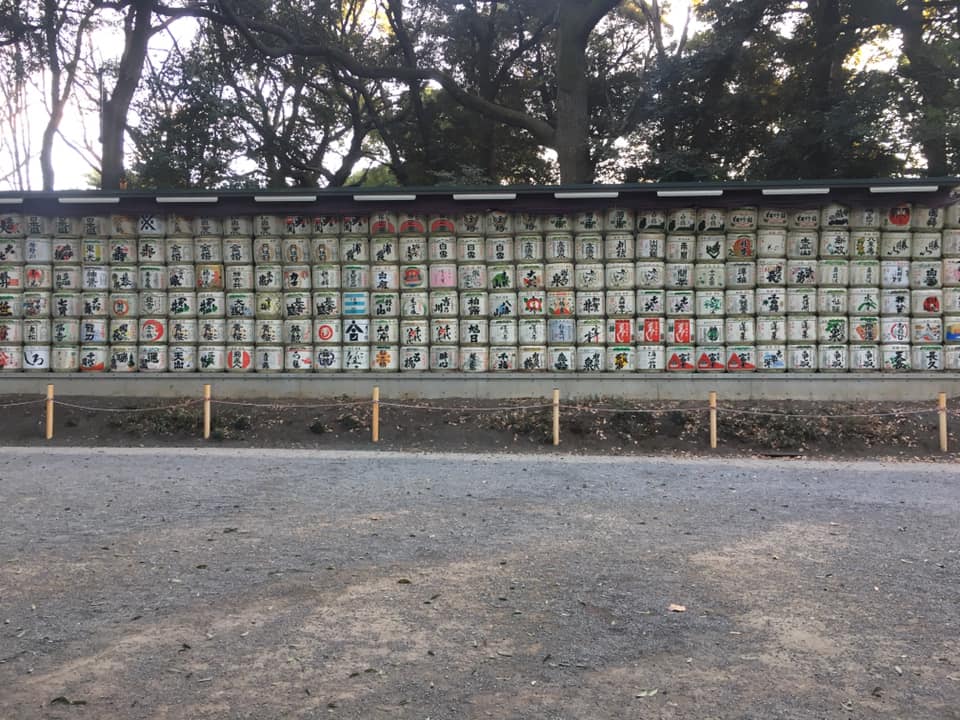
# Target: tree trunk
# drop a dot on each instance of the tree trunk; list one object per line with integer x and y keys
{"x": 114, "y": 111}
{"x": 826, "y": 20}
{"x": 571, "y": 139}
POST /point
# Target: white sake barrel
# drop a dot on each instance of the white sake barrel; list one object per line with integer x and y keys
{"x": 356, "y": 331}
{"x": 297, "y": 277}
{"x": 37, "y": 277}
{"x": 927, "y": 358}
{"x": 122, "y": 358}
{"x": 771, "y": 329}
{"x": 474, "y": 359}
{"x": 65, "y": 331}
{"x": 768, "y": 217}
{"x": 591, "y": 358}
{"x": 589, "y": 248}
{"x": 413, "y": 304}
{"x": 895, "y": 302}
{"x": 176, "y": 250}
{"x": 865, "y": 273}
{"x": 833, "y": 301}
{"x": 152, "y": 358}
{"x": 801, "y": 328}
{"x": 35, "y": 250}
{"x": 529, "y": 248}
{"x": 950, "y": 243}
{"x": 896, "y": 217}
{"x": 710, "y": 331}
{"x": 297, "y": 331}
{"x": 771, "y": 358}
{"x": 11, "y": 251}
{"x": 559, "y": 303}
{"x": 833, "y": 273}
{"x": 802, "y": 244}
{"x": 587, "y": 221}
{"x": 895, "y": 357}
{"x": 503, "y": 358}
{"x": 619, "y": 331}
{"x": 212, "y": 330}
{"x": 329, "y": 331}
{"x": 239, "y": 358}
{"x": 269, "y": 250}
{"x": 926, "y": 303}
{"x": 36, "y": 304}
{"x": 65, "y": 277}
{"x": 926, "y": 331}
{"x": 151, "y": 277}
{"x": 651, "y": 330}
{"x": 865, "y": 244}
{"x": 268, "y": 358}
{"x": 66, "y": 304}
{"x": 352, "y": 277}
{"x": 650, "y": 358}
{"x": 470, "y": 223}
{"x": 530, "y": 276}
{"x": 472, "y": 277}
{"x": 951, "y": 329}
{"x": 741, "y": 246}
{"x": 532, "y": 357}
{"x": 241, "y": 331}
{"x": 651, "y": 219}
{"x": 681, "y": 248}
{"x": 325, "y": 304}
{"x": 444, "y": 303}
{"x": 621, "y": 303}
{"x": 591, "y": 303}
{"x": 895, "y": 273}
{"x": 740, "y": 275}
{"x": 620, "y": 358}
{"x": 560, "y": 331}
{"x": 589, "y": 276}
{"x": 736, "y": 330}
{"x": 864, "y": 217}
{"x": 182, "y": 330}
{"x": 833, "y": 358}
{"x": 834, "y": 243}
{"x": 679, "y": 276}
{"x": 681, "y": 220}
{"x": 180, "y": 358}
{"x": 740, "y": 302}
{"x": 473, "y": 331}
{"x": 211, "y": 304}
{"x": 653, "y": 302}
{"x": 619, "y": 220}
{"x": 329, "y": 358}
{"x": 680, "y": 331}
{"x": 95, "y": 330}
{"x": 710, "y": 303}
{"x": 619, "y": 246}
{"x": 741, "y": 219}
{"x": 382, "y": 277}
{"x": 802, "y": 358}
{"x": 207, "y": 250}
{"x": 123, "y": 278}
{"x": 802, "y": 272}
{"x": 441, "y": 248}
{"x": 864, "y": 357}
{"x": 324, "y": 249}
{"x": 209, "y": 277}
{"x": 680, "y": 303}
{"x": 442, "y": 224}
{"x": 474, "y": 304}
{"x": 211, "y": 358}
{"x": 385, "y": 304}
{"x": 295, "y": 250}
{"x": 500, "y": 277}
{"x": 36, "y": 358}
{"x": 712, "y": 220}
{"x": 894, "y": 329}
{"x": 951, "y": 357}
{"x": 834, "y": 215}
{"x": 417, "y": 332}
{"x": 530, "y": 331}
{"x": 67, "y": 251}
{"x": 414, "y": 359}
{"x": 124, "y": 331}
{"x": 808, "y": 219}
{"x": 833, "y": 329}
{"x": 648, "y": 274}
{"x": 470, "y": 250}
{"x": 498, "y": 250}
{"x": 206, "y": 226}
{"x": 383, "y": 250}
{"x": 328, "y": 224}
{"x": 95, "y": 277}
{"x": 620, "y": 276}
{"x": 710, "y": 358}
{"x": 11, "y": 331}
{"x": 590, "y": 331}
{"x": 502, "y": 332}
{"x": 559, "y": 276}
{"x": 708, "y": 276}
{"x": 772, "y": 243}
{"x": 352, "y": 250}
{"x": 238, "y": 251}
{"x": 29, "y": 225}
{"x": 241, "y": 304}
{"x": 11, "y": 305}
{"x": 237, "y": 226}
{"x": 710, "y": 248}
{"x": 651, "y": 246}
{"x": 896, "y": 245}
{"x": 152, "y": 330}
{"x": 927, "y": 245}
{"x": 951, "y": 300}
{"x": 771, "y": 272}
{"x": 299, "y": 358}
{"x": 925, "y": 274}
{"x": 444, "y": 358}
{"x": 864, "y": 329}
{"x": 64, "y": 358}
{"x": 681, "y": 358}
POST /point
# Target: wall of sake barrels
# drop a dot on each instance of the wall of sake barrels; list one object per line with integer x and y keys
{"x": 825, "y": 288}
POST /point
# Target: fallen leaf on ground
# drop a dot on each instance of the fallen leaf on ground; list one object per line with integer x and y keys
{"x": 677, "y": 608}
{"x": 647, "y": 693}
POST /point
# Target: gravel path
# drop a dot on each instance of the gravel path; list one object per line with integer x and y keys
{"x": 222, "y": 583}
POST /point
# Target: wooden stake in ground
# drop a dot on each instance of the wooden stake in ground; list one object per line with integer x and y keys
{"x": 376, "y": 414}
{"x": 556, "y": 416}
{"x": 942, "y": 406}
{"x": 206, "y": 412}
{"x": 713, "y": 420}
{"x": 49, "y": 412}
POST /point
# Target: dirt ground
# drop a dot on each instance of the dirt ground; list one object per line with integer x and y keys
{"x": 904, "y": 431}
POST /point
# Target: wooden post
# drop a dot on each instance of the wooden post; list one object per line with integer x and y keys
{"x": 942, "y": 406}
{"x": 206, "y": 412}
{"x": 713, "y": 420}
{"x": 376, "y": 414}
{"x": 49, "y": 412}
{"x": 556, "y": 416}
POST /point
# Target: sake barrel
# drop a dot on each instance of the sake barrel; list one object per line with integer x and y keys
{"x": 620, "y": 358}
{"x": 443, "y": 249}
{"x": 326, "y": 331}
{"x": 591, "y": 303}
{"x": 36, "y": 358}
{"x": 269, "y": 250}
{"x": 620, "y": 276}
{"x": 710, "y": 358}
{"x": 268, "y": 358}
{"x": 680, "y": 303}
{"x": 768, "y": 217}
{"x": 736, "y": 330}
{"x": 926, "y": 302}
{"x": 680, "y": 358}
{"x": 895, "y": 357}
{"x": 651, "y": 246}
{"x": 927, "y": 245}
{"x": 558, "y": 247}
{"x": 413, "y": 304}
{"x": 926, "y": 331}
{"x": 741, "y": 275}
{"x": 298, "y": 358}
{"x": 35, "y": 250}
{"x": 771, "y": 358}
{"x": 802, "y": 358}
{"x": 180, "y": 358}
{"x": 681, "y": 248}
{"x": 530, "y": 303}
{"x": 352, "y": 250}
{"x": 834, "y": 301}
{"x": 124, "y": 331}
{"x": 802, "y": 244}
{"x": 444, "y": 358}
{"x": 212, "y": 330}
{"x": 833, "y": 358}
{"x": 835, "y": 215}
{"x": 11, "y": 332}
{"x": 182, "y": 331}
{"x": 805, "y": 219}
{"x": 619, "y": 246}
{"x": 864, "y": 358}
{"x": 865, "y": 244}
{"x": 621, "y": 303}
{"x": 65, "y": 331}
{"x": 529, "y": 248}
{"x": 474, "y": 359}
{"x": 532, "y": 357}
{"x": 589, "y": 276}
{"x": 237, "y": 226}
{"x": 653, "y": 302}
{"x": 771, "y": 329}
{"x": 896, "y": 217}
{"x": 414, "y": 359}
{"x": 152, "y": 358}
{"x": 741, "y": 245}
{"x": 951, "y": 329}
{"x": 895, "y": 302}
{"x": 710, "y": 248}
{"x": 894, "y": 330}
{"x": 11, "y": 251}
{"x": 384, "y": 250}
{"x": 329, "y": 358}
{"x": 502, "y": 332}
{"x": 356, "y": 331}
{"x": 864, "y": 329}
{"x": 211, "y": 358}
{"x": 473, "y": 331}
{"x": 559, "y": 276}
{"x": 681, "y": 220}
{"x": 474, "y": 304}
{"x": 926, "y": 274}
{"x": 385, "y": 304}
{"x": 864, "y": 217}
{"x": 297, "y": 277}
{"x": 591, "y": 331}
{"x": 589, "y": 248}
{"x": 801, "y": 328}
{"x": 834, "y": 244}
{"x": 802, "y": 272}
{"x": 208, "y": 250}
{"x": 209, "y": 277}
{"x": 832, "y": 329}
{"x": 680, "y": 331}
{"x": 771, "y": 243}
{"x": 713, "y": 220}
{"x": 864, "y": 273}
{"x": 446, "y": 331}
{"x": 66, "y": 251}
{"x": 651, "y": 330}
{"x": 65, "y": 358}
{"x": 500, "y": 277}
{"x": 710, "y": 331}
{"x": 470, "y": 250}
{"x": 66, "y": 304}
{"x": 679, "y": 276}
{"x": 740, "y": 302}
{"x": 122, "y": 358}
{"x": 241, "y": 304}
{"x": 36, "y": 304}
{"x": 771, "y": 272}
{"x": 503, "y": 358}
{"x": 896, "y": 245}
{"x": 239, "y": 358}
{"x": 710, "y": 303}
{"x": 591, "y": 358}
{"x": 176, "y": 251}
{"x": 241, "y": 331}
{"x": 927, "y": 358}
{"x": 531, "y": 331}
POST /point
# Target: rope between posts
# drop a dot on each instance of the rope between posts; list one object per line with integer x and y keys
{"x": 279, "y": 406}
{"x": 21, "y": 404}
{"x": 765, "y": 413}
{"x": 186, "y": 403}
{"x": 640, "y": 411}
{"x": 466, "y": 409}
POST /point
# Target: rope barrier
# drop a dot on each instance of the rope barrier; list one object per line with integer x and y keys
{"x": 898, "y": 413}
{"x": 508, "y": 408}
{"x": 21, "y": 404}
{"x": 639, "y": 411}
{"x": 186, "y": 403}
{"x": 278, "y": 406}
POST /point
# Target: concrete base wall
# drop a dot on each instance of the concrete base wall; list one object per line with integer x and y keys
{"x": 841, "y": 387}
